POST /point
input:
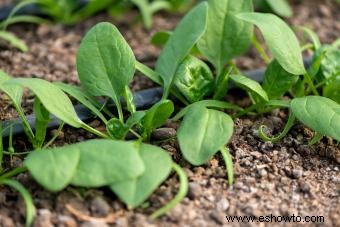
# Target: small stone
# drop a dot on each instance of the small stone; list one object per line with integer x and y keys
{"x": 100, "y": 207}
{"x": 305, "y": 187}
{"x": 61, "y": 134}
{"x": 95, "y": 124}
{"x": 163, "y": 133}
{"x": 195, "y": 190}
{"x": 262, "y": 172}
{"x": 43, "y": 218}
{"x": 94, "y": 224}
{"x": 66, "y": 221}
{"x": 325, "y": 11}
{"x": 121, "y": 222}
{"x": 297, "y": 173}
{"x": 218, "y": 217}
{"x": 335, "y": 179}
{"x": 223, "y": 204}
{"x": 6, "y": 221}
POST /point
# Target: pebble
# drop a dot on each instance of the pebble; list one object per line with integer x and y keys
{"x": 100, "y": 207}
{"x": 262, "y": 172}
{"x": 218, "y": 217}
{"x": 6, "y": 221}
{"x": 163, "y": 133}
{"x": 305, "y": 187}
{"x": 94, "y": 224}
{"x": 223, "y": 204}
{"x": 297, "y": 173}
{"x": 195, "y": 190}
{"x": 66, "y": 221}
{"x": 60, "y": 136}
{"x": 335, "y": 179}
{"x": 43, "y": 218}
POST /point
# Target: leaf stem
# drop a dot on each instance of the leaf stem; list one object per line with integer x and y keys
{"x": 260, "y": 49}
{"x": 228, "y": 164}
{"x": 183, "y": 189}
{"x": 94, "y": 131}
{"x": 55, "y": 135}
{"x": 288, "y": 126}
{"x": 310, "y": 84}
{"x": 13, "y": 173}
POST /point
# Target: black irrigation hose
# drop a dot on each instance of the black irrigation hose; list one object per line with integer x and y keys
{"x": 143, "y": 100}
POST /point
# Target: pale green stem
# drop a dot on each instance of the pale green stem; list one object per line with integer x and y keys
{"x": 260, "y": 49}
{"x": 55, "y": 135}
{"x": 183, "y": 189}
{"x": 228, "y": 164}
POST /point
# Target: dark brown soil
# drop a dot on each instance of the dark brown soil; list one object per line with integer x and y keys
{"x": 286, "y": 178}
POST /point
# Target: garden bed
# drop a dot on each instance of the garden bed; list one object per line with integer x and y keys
{"x": 288, "y": 177}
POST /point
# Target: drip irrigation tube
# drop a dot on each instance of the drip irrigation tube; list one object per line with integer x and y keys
{"x": 143, "y": 100}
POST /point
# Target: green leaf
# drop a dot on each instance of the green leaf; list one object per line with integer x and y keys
{"x": 202, "y": 133}
{"x": 82, "y": 97}
{"x": 312, "y": 36}
{"x": 226, "y": 36}
{"x": 183, "y": 39}
{"x": 194, "y": 79}
{"x": 280, "y": 7}
{"x": 160, "y": 38}
{"x": 330, "y": 64}
{"x": 42, "y": 118}
{"x": 157, "y": 168}
{"x": 157, "y": 115}
{"x": 332, "y": 90}
{"x": 280, "y": 40}
{"x": 319, "y": 113}
{"x": 14, "y": 41}
{"x": 135, "y": 118}
{"x": 105, "y": 62}
{"x": 14, "y": 91}
{"x": 105, "y": 162}
{"x": 53, "y": 168}
{"x": 249, "y": 85}
{"x": 277, "y": 81}
{"x": 53, "y": 98}
{"x": 129, "y": 99}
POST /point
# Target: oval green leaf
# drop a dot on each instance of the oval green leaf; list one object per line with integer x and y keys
{"x": 319, "y": 113}
{"x": 157, "y": 168}
{"x": 53, "y": 168}
{"x": 104, "y": 162}
{"x": 226, "y": 36}
{"x": 277, "y": 81}
{"x": 157, "y": 115}
{"x": 202, "y": 133}
{"x": 105, "y": 62}
{"x": 280, "y": 40}
{"x": 249, "y": 85}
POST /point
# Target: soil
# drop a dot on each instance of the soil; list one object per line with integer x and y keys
{"x": 285, "y": 178}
